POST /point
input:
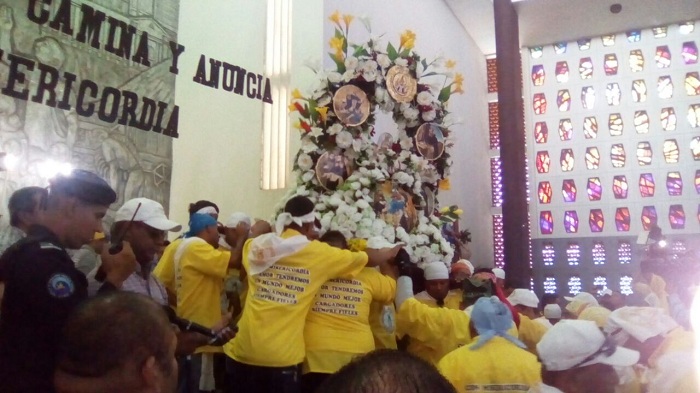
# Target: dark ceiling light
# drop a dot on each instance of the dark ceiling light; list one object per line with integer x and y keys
{"x": 616, "y": 8}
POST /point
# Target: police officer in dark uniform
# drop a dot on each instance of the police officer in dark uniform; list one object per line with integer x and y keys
{"x": 42, "y": 286}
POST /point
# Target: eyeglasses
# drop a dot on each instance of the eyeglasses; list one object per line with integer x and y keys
{"x": 608, "y": 349}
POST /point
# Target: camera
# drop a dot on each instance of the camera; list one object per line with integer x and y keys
{"x": 403, "y": 262}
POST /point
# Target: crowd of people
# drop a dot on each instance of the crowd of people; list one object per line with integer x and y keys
{"x": 252, "y": 306}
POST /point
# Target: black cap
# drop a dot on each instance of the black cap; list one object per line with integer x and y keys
{"x": 86, "y": 186}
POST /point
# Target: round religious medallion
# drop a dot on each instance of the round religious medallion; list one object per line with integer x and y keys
{"x": 430, "y": 141}
{"x": 401, "y": 85}
{"x": 351, "y": 105}
{"x": 332, "y": 168}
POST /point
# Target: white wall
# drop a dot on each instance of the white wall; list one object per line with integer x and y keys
{"x": 218, "y": 154}
{"x": 439, "y": 33}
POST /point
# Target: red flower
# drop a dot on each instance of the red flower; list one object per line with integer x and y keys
{"x": 305, "y": 126}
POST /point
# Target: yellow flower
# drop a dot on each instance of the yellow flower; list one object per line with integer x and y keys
{"x": 459, "y": 79}
{"x": 292, "y": 108}
{"x": 445, "y": 209}
{"x": 335, "y": 17}
{"x": 458, "y": 89}
{"x": 459, "y": 212}
{"x": 337, "y": 43}
{"x": 408, "y": 39}
{"x": 450, "y": 64}
{"x": 444, "y": 184}
{"x": 322, "y": 111}
{"x": 296, "y": 94}
{"x": 348, "y": 19}
{"x": 297, "y": 125}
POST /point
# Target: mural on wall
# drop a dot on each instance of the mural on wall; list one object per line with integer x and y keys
{"x": 119, "y": 85}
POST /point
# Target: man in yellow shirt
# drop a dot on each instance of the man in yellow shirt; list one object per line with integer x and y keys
{"x": 285, "y": 271}
{"x": 495, "y": 361}
{"x": 530, "y": 331}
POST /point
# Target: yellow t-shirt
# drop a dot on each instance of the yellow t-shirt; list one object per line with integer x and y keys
{"x": 530, "y": 332}
{"x": 165, "y": 269}
{"x": 498, "y": 366}
{"x": 428, "y": 352}
{"x": 271, "y": 330}
{"x": 382, "y": 321}
{"x": 200, "y": 282}
{"x": 339, "y": 320}
{"x": 440, "y": 329}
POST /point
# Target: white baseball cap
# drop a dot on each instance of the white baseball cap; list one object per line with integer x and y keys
{"x": 579, "y": 302}
{"x": 642, "y": 323}
{"x": 149, "y": 212}
{"x": 573, "y": 343}
{"x": 552, "y": 311}
{"x": 524, "y": 297}
{"x": 436, "y": 271}
{"x": 499, "y": 273}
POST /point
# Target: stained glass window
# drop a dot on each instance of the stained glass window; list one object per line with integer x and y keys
{"x": 634, "y": 36}
{"x": 566, "y": 129}
{"x": 544, "y": 192}
{"x": 549, "y": 285}
{"x": 588, "y": 97}
{"x": 674, "y": 184}
{"x": 594, "y": 189}
{"x": 546, "y": 223}
{"x": 639, "y": 91}
{"x": 660, "y": 32}
{"x": 692, "y": 84}
{"x": 498, "y": 246}
{"x": 566, "y": 159}
{"x": 608, "y": 40}
{"x": 622, "y": 219}
{"x": 617, "y": 155}
{"x": 542, "y": 162}
{"x": 538, "y": 75}
{"x": 496, "y": 182}
{"x": 585, "y": 68}
{"x": 620, "y": 187}
{"x": 697, "y": 181}
{"x": 539, "y": 103}
{"x": 671, "y": 152}
{"x": 568, "y": 190}
{"x": 574, "y": 285}
{"x": 636, "y": 60}
{"x": 615, "y": 124}
{"x": 686, "y": 28}
{"x": 626, "y": 285}
{"x": 613, "y": 93}
{"x": 596, "y": 221}
{"x": 592, "y": 158}
{"x": 573, "y": 254}
{"x": 646, "y": 185}
{"x": 694, "y": 115}
{"x": 563, "y": 100}
{"x": 562, "y": 71}
{"x": 584, "y": 44}
{"x": 663, "y": 57}
{"x": 600, "y": 282}
{"x": 690, "y": 52}
{"x": 624, "y": 252}
{"x": 610, "y": 64}
{"x": 676, "y": 217}
{"x": 641, "y": 122}
{"x": 571, "y": 221}
{"x": 536, "y": 52}
{"x": 590, "y": 127}
{"x": 668, "y": 119}
{"x": 560, "y": 48}
{"x": 649, "y": 217}
{"x": 644, "y": 153}
{"x": 695, "y": 148}
{"x": 665, "y": 87}
{"x": 541, "y": 132}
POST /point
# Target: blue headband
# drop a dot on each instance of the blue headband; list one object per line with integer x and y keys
{"x": 199, "y": 222}
{"x": 492, "y": 318}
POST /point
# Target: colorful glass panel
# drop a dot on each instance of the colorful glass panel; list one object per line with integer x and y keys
{"x": 592, "y": 158}
{"x": 542, "y": 163}
{"x": 563, "y": 100}
{"x": 690, "y": 53}
{"x": 541, "y": 132}
{"x": 544, "y": 192}
{"x": 674, "y": 184}
{"x": 694, "y": 115}
{"x": 613, "y": 93}
{"x": 697, "y": 181}
{"x": 636, "y": 60}
{"x": 665, "y": 87}
{"x": 695, "y": 148}
{"x": 590, "y": 127}
{"x": 639, "y": 91}
{"x": 571, "y": 221}
{"x": 594, "y": 189}
{"x": 596, "y": 221}
{"x": 620, "y": 187}
{"x": 546, "y": 223}
{"x": 671, "y": 152}
{"x": 537, "y": 75}
{"x": 660, "y": 32}
{"x": 539, "y": 103}
{"x": 585, "y": 68}
{"x": 562, "y": 71}
{"x": 568, "y": 190}
{"x": 649, "y": 217}
{"x": 644, "y": 153}
{"x": 663, "y": 57}
{"x": 692, "y": 84}
{"x": 536, "y": 52}
{"x": 560, "y": 48}
{"x": 634, "y": 36}
{"x": 686, "y": 28}
{"x": 566, "y": 129}
{"x": 615, "y": 124}
{"x": 588, "y": 97}
{"x": 646, "y": 185}
{"x": 610, "y": 64}
{"x": 608, "y": 40}
{"x": 641, "y": 122}
{"x": 584, "y": 44}
{"x": 668, "y": 119}
{"x": 566, "y": 158}
{"x": 676, "y": 217}
{"x": 622, "y": 219}
{"x": 618, "y": 155}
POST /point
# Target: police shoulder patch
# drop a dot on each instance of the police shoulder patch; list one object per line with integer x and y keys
{"x": 60, "y": 286}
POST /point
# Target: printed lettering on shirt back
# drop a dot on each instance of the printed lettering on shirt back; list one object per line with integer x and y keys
{"x": 339, "y": 297}
{"x": 281, "y": 284}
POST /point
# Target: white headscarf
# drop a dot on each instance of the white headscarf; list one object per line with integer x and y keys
{"x": 285, "y": 219}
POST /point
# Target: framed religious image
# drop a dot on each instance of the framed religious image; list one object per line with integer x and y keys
{"x": 430, "y": 141}
{"x": 351, "y": 105}
{"x": 429, "y": 198}
{"x": 395, "y": 206}
{"x": 400, "y": 84}
{"x": 384, "y": 142}
{"x": 332, "y": 168}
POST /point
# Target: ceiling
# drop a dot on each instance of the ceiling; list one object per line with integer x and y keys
{"x": 548, "y": 21}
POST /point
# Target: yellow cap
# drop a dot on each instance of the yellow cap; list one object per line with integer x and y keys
{"x": 98, "y": 236}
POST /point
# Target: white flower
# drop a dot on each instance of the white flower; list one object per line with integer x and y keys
{"x": 334, "y": 77}
{"x": 343, "y": 140}
{"x": 389, "y": 234}
{"x": 301, "y": 190}
{"x": 410, "y": 114}
{"x": 307, "y": 176}
{"x": 363, "y": 233}
{"x": 362, "y": 204}
{"x": 324, "y": 101}
{"x": 305, "y": 162}
{"x": 348, "y": 75}
{"x": 387, "y": 106}
{"x": 429, "y": 175}
{"x": 401, "y": 125}
{"x": 406, "y": 143}
{"x": 351, "y": 63}
{"x": 335, "y": 128}
{"x": 380, "y": 94}
{"x": 429, "y": 115}
{"x": 424, "y": 98}
{"x": 316, "y": 131}
{"x": 403, "y": 178}
{"x": 364, "y": 181}
{"x": 335, "y": 200}
{"x": 308, "y": 146}
{"x": 383, "y": 60}
{"x": 401, "y": 61}
{"x": 355, "y": 186}
{"x": 357, "y": 145}
{"x": 320, "y": 207}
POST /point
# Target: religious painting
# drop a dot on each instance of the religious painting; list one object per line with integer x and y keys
{"x": 395, "y": 206}
{"x": 400, "y": 84}
{"x": 332, "y": 168}
{"x": 430, "y": 141}
{"x": 351, "y": 105}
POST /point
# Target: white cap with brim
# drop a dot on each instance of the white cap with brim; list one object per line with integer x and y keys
{"x": 642, "y": 323}
{"x": 524, "y": 297}
{"x": 436, "y": 271}
{"x": 150, "y": 213}
{"x": 572, "y": 344}
{"x": 499, "y": 273}
{"x": 552, "y": 311}
{"x": 579, "y": 302}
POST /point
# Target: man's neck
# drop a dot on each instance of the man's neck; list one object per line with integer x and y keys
{"x": 57, "y": 225}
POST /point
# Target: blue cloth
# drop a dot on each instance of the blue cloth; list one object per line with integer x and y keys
{"x": 492, "y": 318}
{"x": 199, "y": 222}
